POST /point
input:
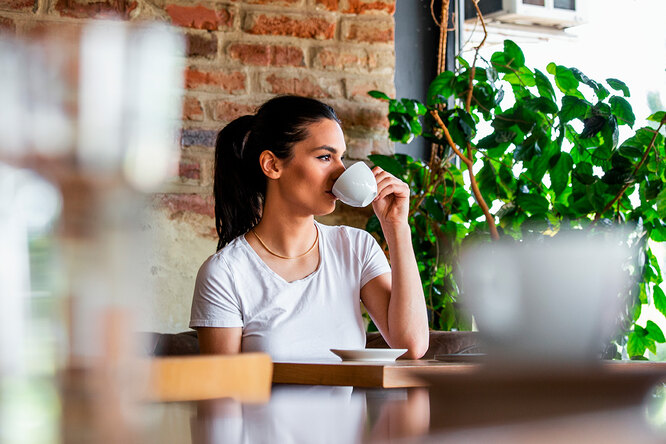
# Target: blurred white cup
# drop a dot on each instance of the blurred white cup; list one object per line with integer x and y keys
{"x": 356, "y": 186}
{"x": 554, "y": 300}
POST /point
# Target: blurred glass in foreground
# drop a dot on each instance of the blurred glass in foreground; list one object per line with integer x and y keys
{"x": 88, "y": 124}
{"x": 553, "y": 300}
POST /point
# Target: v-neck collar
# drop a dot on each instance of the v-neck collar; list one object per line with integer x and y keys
{"x": 260, "y": 262}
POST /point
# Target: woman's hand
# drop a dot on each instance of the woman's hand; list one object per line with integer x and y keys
{"x": 392, "y": 202}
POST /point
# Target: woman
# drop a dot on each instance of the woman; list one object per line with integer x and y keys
{"x": 282, "y": 283}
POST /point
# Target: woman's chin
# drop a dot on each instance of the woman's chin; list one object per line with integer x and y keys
{"x": 326, "y": 210}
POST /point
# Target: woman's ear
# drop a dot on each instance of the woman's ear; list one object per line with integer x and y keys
{"x": 270, "y": 164}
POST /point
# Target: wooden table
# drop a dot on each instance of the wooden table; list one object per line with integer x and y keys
{"x": 403, "y": 373}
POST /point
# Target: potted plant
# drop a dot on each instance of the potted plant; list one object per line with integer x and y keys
{"x": 524, "y": 153}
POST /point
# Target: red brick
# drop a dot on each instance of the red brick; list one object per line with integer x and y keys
{"x": 95, "y": 9}
{"x": 360, "y": 147}
{"x": 272, "y": 2}
{"x": 226, "y": 81}
{"x": 370, "y": 118}
{"x": 18, "y": 5}
{"x": 331, "y": 5}
{"x": 250, "y": 54}
{"x": 369, "y": 6}
{"x": 383, "y": 146}
{"x": 368, "y": 31}
{"x": 197, "y": 137}
{"x": 200, "y": 17}
{"x": 303, "y": 86}
{"x": 188, "y": 169}
{"x": 287, "y": 56}
{"x": 192, "y": 109}
{"x": 340, "y": 59}
{"x": 381, "y": 60}
{"x": 357, "y": 89}
{"x": 7, "y": 24}
{"x": 226, "y": 111}
{"x": 308, "y": 27}
{"x": 177, "y": 204}
{"x": 264, "y": 55}
{"x": 199, "y": 45}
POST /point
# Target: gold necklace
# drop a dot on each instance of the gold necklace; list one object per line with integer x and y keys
{"x": 287, "y": 257}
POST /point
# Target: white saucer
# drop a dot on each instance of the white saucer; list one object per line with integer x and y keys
{"x": 370, "y": 354}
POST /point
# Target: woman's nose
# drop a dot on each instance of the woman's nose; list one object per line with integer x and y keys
{"x": 338, "y": 171}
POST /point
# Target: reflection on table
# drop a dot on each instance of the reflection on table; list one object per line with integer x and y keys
{"x": 316, "y": 414}
{"x": 296, "y": 414}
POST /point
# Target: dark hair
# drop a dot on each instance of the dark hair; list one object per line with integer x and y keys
{"x": 240, "y": 184}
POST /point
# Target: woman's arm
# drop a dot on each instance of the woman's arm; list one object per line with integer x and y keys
{"x": 396, "y": 302}
{"x": 218, "y": 340}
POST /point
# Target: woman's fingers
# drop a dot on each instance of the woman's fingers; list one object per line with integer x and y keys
{"x": 388, "y": 184}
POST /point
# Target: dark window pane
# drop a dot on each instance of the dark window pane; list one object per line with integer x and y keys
{"x": 535, "y": 2}
{"x": 565, "y": 4}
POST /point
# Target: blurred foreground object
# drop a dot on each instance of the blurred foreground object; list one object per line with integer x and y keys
{"x": 554, "y": 300}
{"x": 96, "y": 113}
{"x": 245, "y": 377}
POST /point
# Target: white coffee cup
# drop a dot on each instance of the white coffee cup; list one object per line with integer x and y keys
{"x": 555, "y": 300}
{"x": 356, "y": 186}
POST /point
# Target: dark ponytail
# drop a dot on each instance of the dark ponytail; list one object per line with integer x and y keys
{"x": 240, "y": 184}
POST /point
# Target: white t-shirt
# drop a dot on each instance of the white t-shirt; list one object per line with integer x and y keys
{"x": 299, "y": 320}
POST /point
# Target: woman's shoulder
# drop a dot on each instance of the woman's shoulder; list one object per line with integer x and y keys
{"x": 344, "y": 233}
{"x": 221, "y": 259}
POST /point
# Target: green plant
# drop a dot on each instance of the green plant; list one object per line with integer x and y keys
{"x": 546, "y": 158}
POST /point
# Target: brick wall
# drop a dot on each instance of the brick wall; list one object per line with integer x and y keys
{"x": 240, "y": 53}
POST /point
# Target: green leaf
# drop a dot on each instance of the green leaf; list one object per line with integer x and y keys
{"x": 462, "y": 62}
{"x": 410, "y": 107}
{"x": 373, "y": 225}
{"x": 635, "y": 146}
{"x": 378, "y": 95}
{"x": 434, "y": 208}
{"x": 630, "y": 152}
{"x": 659, "y": 299}
{"x": 398, "y": 133}
{"x": 622, "y": 110}
{"x": 651, "y": 188}
{"x": 655, "y": 332}
{"x": 637, "y": 344}
{"x": 559, "y": 173}
{"x": 514, "y": 54}
{"x": 661, "y": 203}
{"x": 542, "y": 104}
{"x": 565, "y": 80}
{"x": 543, "y": 85}
{"x": 619, "y": 85}
{"x": 532, "y": 203}
{"x": 415, "y": 127}
{"x": 521, "y": 77}
{"x": 657, "y": 117}
{"x": 441, "y": 86}
{"x": 573, "y": 108}
{"x": 583, "y": 173}
{"x": 387, "y": 163}
{"x": 593, "y": 125}
{"x": 599, "y": 90}
{"x": 467, "y": 123}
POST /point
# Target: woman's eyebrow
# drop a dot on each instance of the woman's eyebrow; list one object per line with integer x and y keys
{"x": 330, "y": 149}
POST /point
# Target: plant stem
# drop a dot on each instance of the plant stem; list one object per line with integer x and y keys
{"x": 638, "y": 167}
{"x": 475, "y": 187}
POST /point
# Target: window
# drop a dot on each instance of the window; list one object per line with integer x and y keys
{"x": 565, "y": 4}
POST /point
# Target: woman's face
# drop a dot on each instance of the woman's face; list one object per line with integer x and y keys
{"x": 307, "y": 178}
